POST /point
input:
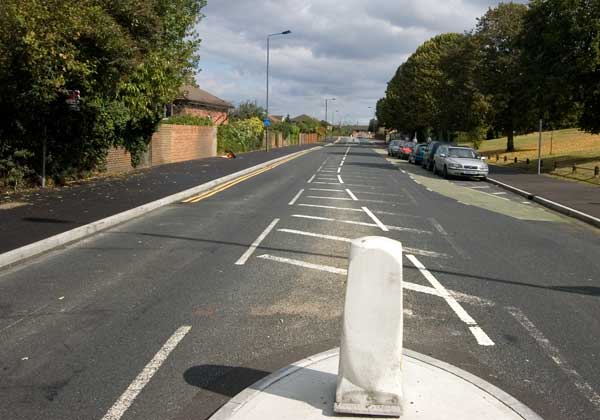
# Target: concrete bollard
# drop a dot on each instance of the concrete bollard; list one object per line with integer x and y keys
{"x": 370, "y": 370}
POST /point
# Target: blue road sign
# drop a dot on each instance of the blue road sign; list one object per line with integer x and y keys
{"x": 267, "y": 122}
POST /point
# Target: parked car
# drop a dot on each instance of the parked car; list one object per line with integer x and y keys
{"x": 406, "y": 149}
{"x": 394, "y": 148}
{"x": 459, "y": 161}
{"x": 416, "y": 156}
{"x": 429, "y": 153}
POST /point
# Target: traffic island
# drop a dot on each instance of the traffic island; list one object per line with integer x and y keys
{"x": 432, "y": 390}
{"x": 371, "y": 375}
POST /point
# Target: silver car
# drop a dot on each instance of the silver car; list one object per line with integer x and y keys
{"x": 394, "y": 148}
{"x": 459, "y": 161}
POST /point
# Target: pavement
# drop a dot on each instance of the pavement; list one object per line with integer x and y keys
{"x": 170, "y": 315}
{"x": 38, "y": 214}
{"x": 576, "y": 195}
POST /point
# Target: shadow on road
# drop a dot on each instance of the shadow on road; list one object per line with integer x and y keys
{"x": 581, "y": 290}
{"x": 225, "y": 380}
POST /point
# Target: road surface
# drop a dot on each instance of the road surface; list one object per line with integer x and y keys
{"x": 169, "y": 315}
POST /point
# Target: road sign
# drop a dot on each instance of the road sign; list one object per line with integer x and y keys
{"x": 267, "y": 122}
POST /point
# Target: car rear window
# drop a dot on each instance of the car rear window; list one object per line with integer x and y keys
{"x": 461, "y": 153}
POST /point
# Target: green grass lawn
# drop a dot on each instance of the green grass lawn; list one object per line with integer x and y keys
{"x": 564, "y": 147}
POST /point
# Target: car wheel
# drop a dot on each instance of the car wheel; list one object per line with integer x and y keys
{"x": 445, "y": 172}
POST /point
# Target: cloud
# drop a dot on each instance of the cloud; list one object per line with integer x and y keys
{"x": 347, "y": 49}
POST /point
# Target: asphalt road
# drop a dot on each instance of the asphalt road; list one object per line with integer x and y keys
{"x": 155, "y": 320}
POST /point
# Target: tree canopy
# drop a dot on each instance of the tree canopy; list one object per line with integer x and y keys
{"x": 520, "y": 63}
{"x": 127, "y": 59}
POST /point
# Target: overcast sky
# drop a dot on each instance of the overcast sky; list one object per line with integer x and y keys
{"x": 347, "y": 49}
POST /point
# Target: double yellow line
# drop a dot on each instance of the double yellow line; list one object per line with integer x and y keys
{"x": 229, "y": 184}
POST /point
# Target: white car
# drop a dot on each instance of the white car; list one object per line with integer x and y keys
{"x": 459, "y": 161}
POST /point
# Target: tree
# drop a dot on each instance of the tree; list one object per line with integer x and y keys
{"x": 562, "y": 60}
{"x": 501, "y": 73}
{"x": 247, "y": 110}
{"x": 127, "y": 58}
{"x": 373, "y": 125}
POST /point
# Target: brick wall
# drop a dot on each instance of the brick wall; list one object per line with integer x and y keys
{"x": 118, "y": 160}
{"x": 217, "y": 117}
{"x": 170, "y": 144}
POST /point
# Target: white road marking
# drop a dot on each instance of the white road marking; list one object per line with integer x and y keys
{"x": 256, "y": 243}
{"x": 482, "y": 187}
{"x": 556, "y": 357}
{"x": 492, "y": 195}
{"x": 449, "y": 239}
{"x": 499, "y": 193}
{"x": 297, "y": 196}
{"x": 339, "y": 170}
{"x": 342, "y": 271}
{"x": 429, "y": 189}
{"x": 481, "y": 337}
{"x": 403, "y": 171}
{"x": 329, "y": 198}
{"x": 124, "y": 402}
{"x": 375, "y": 219}
{"x": 304, "y": 264}
{"x": 352, "y": 196}
{"x": 323, "y": 178}
{"x": 340, "y": 179}
{"x": 348, "y": 240}
{"x": 325, "y": 189}
{"x": 315, "y": 235}
{"x": 329, "y": 207}
{"x": 352, "y": 222}
{"x": 349, "y": 185}
{"x": 311, "y": 179}
{"x": 525, "y": 202}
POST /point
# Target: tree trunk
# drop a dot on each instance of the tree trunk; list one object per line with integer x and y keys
{"x": 510, "y": 143}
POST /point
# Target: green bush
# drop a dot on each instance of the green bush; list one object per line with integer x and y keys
{"x": 188, "y": 120}
{"x": 13, "y": 169}
{"x": 240, "y": 136}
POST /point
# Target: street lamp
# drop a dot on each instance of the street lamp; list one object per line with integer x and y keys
{"x": 326, "y": 114}
{"x": 268, "y": 58}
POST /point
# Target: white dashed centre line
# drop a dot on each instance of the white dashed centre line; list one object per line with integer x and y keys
{"x": 311, "y": 179}
{"x": 124, "y": 402}
{"x": 481, "y": 337}
{"x": 296, "y": 197}
{"x": 340, "y": 179}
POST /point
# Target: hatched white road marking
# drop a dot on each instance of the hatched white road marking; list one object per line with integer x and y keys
{"x": 348, "y": 240}
{"x": 256, "y": 243}
{"x": 325, "y": 189}
{"x": 352, "y": 222}
{"x": 352, "y": 196}
{"x": 124, "y": 402}
{"x": 342, "y": 271}
{"x": 349, "y": 185}
{"x": 339, "y": 170}
{"x": 481, "y": 337}
{"x": 375, "y": 219}
{"x": 311, "y": 179}
{"x": 304, "y": 264}
{"x": 296, "y": 197}
{"x": 329, "y": 207}
{"x": 340, "y": 179}
{"x": 556, "y": 357}
{"x": 329, "y": 198}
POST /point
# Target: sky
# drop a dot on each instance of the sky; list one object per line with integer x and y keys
{"x": 343, "y": 49}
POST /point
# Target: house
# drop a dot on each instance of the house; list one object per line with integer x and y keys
{"x": 198, "y": 102}
{"x": 304, "y": 119}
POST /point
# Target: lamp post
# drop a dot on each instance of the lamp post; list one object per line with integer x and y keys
{"x": 326, "y": 114}
{"x": 268, "y": 59}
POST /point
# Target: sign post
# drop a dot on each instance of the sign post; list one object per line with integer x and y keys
{"x": 267, "y": 123}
